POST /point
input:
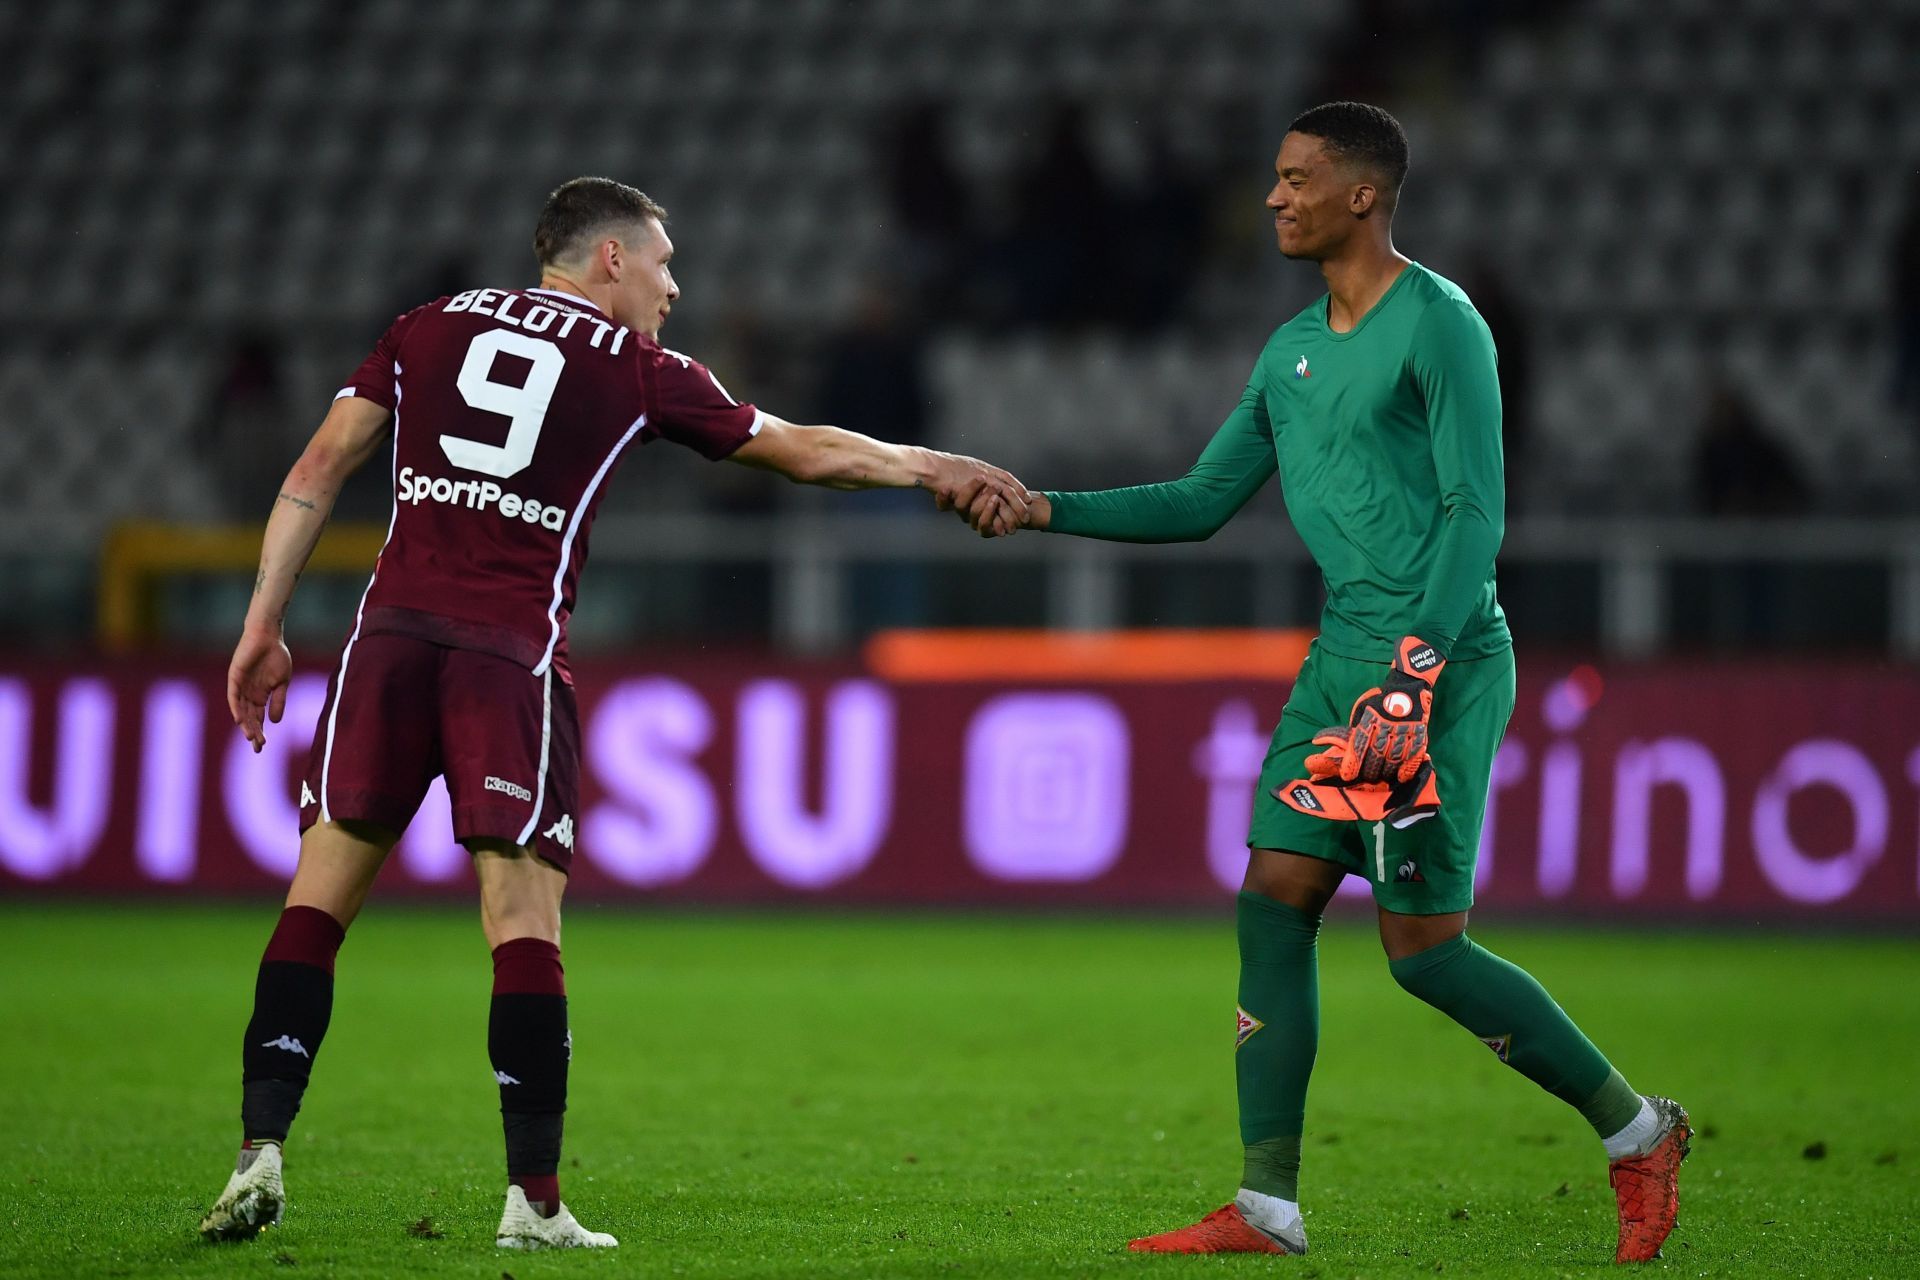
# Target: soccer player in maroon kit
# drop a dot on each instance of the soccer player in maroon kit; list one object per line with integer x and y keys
{"x": 508, "y": 410}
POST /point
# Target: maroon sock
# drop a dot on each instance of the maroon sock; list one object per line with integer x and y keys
{"x": 306, "y": 935}
{"x": 528, "y": 1042}
{"x": 543, "y": 1191}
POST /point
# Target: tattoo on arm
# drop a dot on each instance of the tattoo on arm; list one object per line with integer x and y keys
{"x": 297, "y": 501}
{"x": 259, "y": 579}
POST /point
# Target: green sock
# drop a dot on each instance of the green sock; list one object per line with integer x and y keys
{"x": 1515, "y": 1017}
{"x": 1279, "y": 1032}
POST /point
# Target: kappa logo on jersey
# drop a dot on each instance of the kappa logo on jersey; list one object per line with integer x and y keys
{"x": 1300, "y": 370}
{"x": 478, "y": 495}
{"x": 1501, "y": 1045}
{"x": 561, "y": 832}
{"x": 1304, "y": 797}
{"x": 289, "y": 1044}
{"x": 513, "y": 789}
{"x": 306, "y": 796}
{"x": 1410, "y": 873}
{"x": 1245, "y": 1024}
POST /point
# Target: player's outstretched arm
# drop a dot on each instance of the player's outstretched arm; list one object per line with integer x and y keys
{"x": 262, "y": 666}
{"x": 840, "y": 459}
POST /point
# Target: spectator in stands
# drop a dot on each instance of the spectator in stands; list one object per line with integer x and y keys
{"x": 243, "y": 438}
{"x": 1738, "y": 468}
{"x": 874, "y": 373}
{"x": 1159, "y": 240}
{"x": 442, "y": 275}
{"x": 1389, "y": 47}
{"x": 874, "y": 370}
{"x": 930, "y": 201}
{"x": 1055, "y": 259}
{"x": 1905, "y": 285}
{"x": 1513, "y": 340}
{"x": 745, "y": 349}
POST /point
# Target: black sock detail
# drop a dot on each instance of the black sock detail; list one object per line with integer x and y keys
{"x": 267, "y": 1108}
{"x": 533, "y": 1143}
{"x": 528, "y": 1043}
{"x": 292, "y": 1004}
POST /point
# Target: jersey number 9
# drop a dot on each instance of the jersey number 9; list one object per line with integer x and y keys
{"x": 525, "y": 406}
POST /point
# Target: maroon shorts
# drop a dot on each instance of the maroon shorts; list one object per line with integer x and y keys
{"x": 401, "y": 711}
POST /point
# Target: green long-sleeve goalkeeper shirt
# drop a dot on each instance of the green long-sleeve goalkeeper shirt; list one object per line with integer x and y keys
{"x": 1387, "y": 442}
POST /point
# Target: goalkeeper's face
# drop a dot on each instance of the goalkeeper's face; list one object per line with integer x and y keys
{"x": 1311, "y": 200}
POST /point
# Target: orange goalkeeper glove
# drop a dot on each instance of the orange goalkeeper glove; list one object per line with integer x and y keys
{"x": 1399, "y": 805}
{"x": 1385, "y": 737}
{"x": 1375, "y": 767}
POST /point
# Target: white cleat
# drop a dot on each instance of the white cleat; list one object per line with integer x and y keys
{"x": 522, "y": 1228}
{"x": 254, "y": 1200}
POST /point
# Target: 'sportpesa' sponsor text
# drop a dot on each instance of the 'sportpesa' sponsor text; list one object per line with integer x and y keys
{"x": 479, "y": 495}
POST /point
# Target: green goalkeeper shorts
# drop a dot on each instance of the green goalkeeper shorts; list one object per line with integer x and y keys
{"x": 1425, "y": 869}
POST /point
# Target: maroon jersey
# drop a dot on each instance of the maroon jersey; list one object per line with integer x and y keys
{"x": 511, "y": 408}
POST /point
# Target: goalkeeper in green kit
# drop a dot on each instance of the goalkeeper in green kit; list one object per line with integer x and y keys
{"x": 1379, "y": 408}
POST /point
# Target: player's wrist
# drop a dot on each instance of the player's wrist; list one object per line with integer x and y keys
{"x": 932, "y": 469}
{"x": 1418, "y": 660}
{"x": 1039, "y": 510}
{"x": 271, "y": 629}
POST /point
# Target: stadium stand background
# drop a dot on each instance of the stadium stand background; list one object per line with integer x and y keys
{"x": 1021, "y": 229}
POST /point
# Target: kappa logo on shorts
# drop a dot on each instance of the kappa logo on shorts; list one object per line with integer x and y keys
{"x": 561, "y": 832}
{"x": 1501, "y": 1045}
{"x": 306, "y": 796}
{"x": 1245, "y": 1025}
{"x": 513, "y": 789}
{"x": 288, "y": 1043}
{"x": 501, "y": 1077}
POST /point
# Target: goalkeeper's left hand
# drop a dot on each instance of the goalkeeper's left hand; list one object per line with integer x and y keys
{"x": 1385, "y": 737}
{"x": 1376, "y": 767}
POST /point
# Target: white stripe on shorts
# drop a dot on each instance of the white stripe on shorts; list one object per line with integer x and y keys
{"x": 546, "y": 741}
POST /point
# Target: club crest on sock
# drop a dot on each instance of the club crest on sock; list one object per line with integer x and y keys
{"x": 1501, "y": 1045}
{"x": 1245, "y": 1025}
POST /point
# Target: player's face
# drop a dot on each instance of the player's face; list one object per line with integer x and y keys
{"x": 1311, "y": 199}
{"x": 645, "y": 291}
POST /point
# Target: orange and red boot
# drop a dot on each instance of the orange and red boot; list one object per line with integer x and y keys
{"x": 1647, "y": 1186}
{"x": 1225, "y": 1230}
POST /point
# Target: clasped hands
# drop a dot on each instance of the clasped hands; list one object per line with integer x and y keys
{"x": 992, "y": 501}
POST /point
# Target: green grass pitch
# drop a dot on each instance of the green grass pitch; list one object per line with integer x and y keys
{"x": 824, "y": 1095}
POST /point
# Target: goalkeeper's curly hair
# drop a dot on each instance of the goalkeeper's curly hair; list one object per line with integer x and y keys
{"x": 1363, "y": 135}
